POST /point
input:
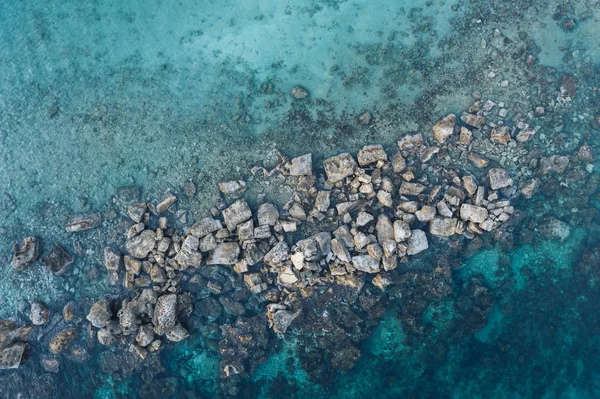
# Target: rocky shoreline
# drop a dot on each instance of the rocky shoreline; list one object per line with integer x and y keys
{"x": 342, "y": 239}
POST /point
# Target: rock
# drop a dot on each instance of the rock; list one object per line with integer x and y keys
{"x": 402, "y": 231}
{"x": 105, "y": 337}
{"x": 465, "y": 136}
{"x": 226, "y": 253}
{"x": 177, "y": 333}
{"x": 83, "y": 222}
{"x": 384, "y": 228}
{"x": 530, "y": 187}
{"x": 364, "y": 118}
{"x": 254, "y": 282}
{"x": 26, "y": 253}
{"x": 237, "y": 213}
{"x": 205, "y": 226}
{"x": 340, "y": 251}
{"x": 12, "y": 355}
{"x": 298, "y": 92}
{"x": 38, "y": 313}
{"x": 381, "y": 281}
{"x": 49, "y": 364}
{"x": 145, "y": 335}
{"x": 554, "y": 164}
{"x": 165, "y": 204}
{"x": 426, "y": 213}
{"x": 297, "y": 212}
{"x": 410, "y": 141}
{"x": 398, "y": 163}
{"x": 441, "y": 226}
{"x": 555, "y": 229}
{"x": 282, "y": 319}
{"x": 61, "y": 341}
{"x": 339, "y": 167}
{"x": 323, "y": 201}
{"x": 141, "y": 245}
{"x": 277, "y": 255}
{"x": 112, "y": 259}
{"x": 287, "y": 277}
{"x": 408, "y": 188}
{"x": 371, "y": 154}
{"x": 301, "y": 166}
{"x": 469, "y": 184}
{"x": 165, "y": 313}
{"x": 444, "y": 128}
{"x": 499, "y": 178}
{"x": 68, "y": 312}
{"x": 100, "y": 313}
{"x": 136, "y": 212}
{"x": 233, "y": 188}
{"x": 428, "y": 154}
{"x": 209, "y": 242}
{"x": 500, "y": 135}
{"x": 473, "y": 213}
{"x": 478, "y": 161}
{"x": 586, "y": 153}
{"x": 366, "y": 263}
{"x": 525, "y": 134}
{"x": 267, "y": 215}
{"x": 350, "y": 206}
{"x": 385, "y": 198}
{"x": 417, "y": 242}
{"x": 58, "y": 260}
{"x": 473, "y": 120}
{"x": 363, "y": 218}
{"x": 9, "y": 332}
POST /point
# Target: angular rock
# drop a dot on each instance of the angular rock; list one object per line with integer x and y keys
{"x": 165, "y": 313}
{"x": 385, "y": 198}
{"x": 408, "y": 188}
{"x": 444, "y": 128}
{"x": 499, "y": 178}
{"x": 298, "y": 92}
{"x": 254, "y": 282}
{"x": 301, "y": 166}
{"x": 530, "y": 188}
{"x": 410, "y": 141}
{"x": 370, "y": 154}
{"x": 145, "y": 335}
{"x": 323, "y": 201}
{"x": 112, "y": 259}
{"x": 61, "y": 341}
{"x": 426, "y": 213}
{"x": 267, "y": 215}
{"x": 233, "y": 188}
{"x": 554, "y": 164}
{"x": 141, "y": 245}
{"x": 339, "y": 249}
{"x": 282, "y": 319}
{"x": 473, "y": 213}
{"x": 417, "y": 242}
{"x": 226, "y": 253}
{"x": 165, "y": 204}
{"x": 473, "y": 120}
{"x": 205, "y": 226}
{"x": 100, "y": 313}
{"x": 441, "y": 226}
{"x": 366, "y": 263}
{"x": 500, "y": 135}
{"x": 237, "y": 213}
{"x": 38, "y": 313}
{"x": 26, "y": 253}
{"x": 381, "y": 281}
{"x": 207, "y": 243}
{"x": 83, "y": 222}
{"x": 136, "y": 212}
{"x": 277, "y": 255}
{"x": 402, "y": 231}
{"x": 177, "y": 333}
{"x": 350, "y": 206}
{"x": 57, "y": 260}
{"x": 297, "y": 212}
{"x": 398, "y": 163}
{"x": 12, "y": 355}
{"x": 339, "y": 167}
{"x": 385, "y": 229}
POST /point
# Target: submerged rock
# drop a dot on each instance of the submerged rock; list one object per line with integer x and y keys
{"x": 233, "y": 188}
{"x": 57, "y": 260}
{"x": 61, "y": 341}
{"x": 282, "y": 319}
{"x": 39, "y": 313}
{"x": 12, "y": 355}
{"x": 26, "y": 253}
{"x": 298, "y": 92}
{"x": 83, "y": 222}
{"x": 140, "y": 246}
{"x": 100, "y": 313}
{"x": 226, "y": 253}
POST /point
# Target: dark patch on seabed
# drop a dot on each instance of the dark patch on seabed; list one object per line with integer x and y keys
{"x": 453, "y": 252}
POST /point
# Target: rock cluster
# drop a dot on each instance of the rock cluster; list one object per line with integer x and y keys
{"x": 12, "y": 347}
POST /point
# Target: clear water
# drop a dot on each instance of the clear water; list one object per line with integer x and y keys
{"x": 96, "y": 96}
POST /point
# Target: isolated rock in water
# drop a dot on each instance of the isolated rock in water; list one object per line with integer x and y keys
{"x": 530, "y": 187}
{"x": 417, "y": 242}
{"x": 165, "y": 204}
{"x": 339, "y": 167}
{"x": 141, "y": 245}
{"x": 555, "y": 229}
{"x": 499, "y": 178}
{"x": 61, "y": 340}
{"x": 12, "y": 355}
{"x": 366, "y": 263}
{"x": 205, "y": 226}
{"x": 100, "y": 313}
{"x": 554, "y": 164}
{"x": 165, "y": 313}
{"x": 371, "y": 154}
{"x": 298, "y": 92}
{"x": 301, "y": 166}
{"x": 112, "y": 259}
{"x": 83, "y": 222}
{"x": 237, "y": 213}
{"x": 475, "y": 214}
{"x": 226, "y": 253}
{"x": 233, "y": 188}
{"x": 177, "y": 333}
{"x": 38, "y": 313}
{"x": 57, "y": 260}
{"x": 25, "y": 254}
{"x": 282, "y": 320}
{"x": 441, "y": 226}
{"x": 444, "y": 128}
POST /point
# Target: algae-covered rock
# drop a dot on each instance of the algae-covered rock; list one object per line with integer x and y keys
{"x": 26, "y": 253}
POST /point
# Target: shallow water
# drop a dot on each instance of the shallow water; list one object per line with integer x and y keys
{"x": 97, "y": 96}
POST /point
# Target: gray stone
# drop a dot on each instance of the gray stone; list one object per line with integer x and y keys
{"x": 112, "y": 259}
{"x": 100, "y": 313}
{"x": 297, "y": 212}
{"x": 207, "y": 243}
{"x": 350, "y": 206}
{"x": 366, "y": 263}
{"x": 363, "y": 218}
{"x": 277, "y": 255}
{"x": 410, "y": 141}
{"x": 205, "y": 226}
{"x": 473, "y": 213}
{"x": 408, "y": 188}
{"x": 237, "y": 213}
{"x": 177, "y": 333}
{"x": 398, "y": 163}
{"x": 267, "y": 215}
{"x": 426, "y": 213}
{"x": 370, "y": 154}
{"x": 385, "y": 198}
{"x": 136, "y": 212}
{"x": 444, "y": 128}
{"x": 145, "y": 335}
{"x": 83, "y": 222}
{"x": 339, "y": 167}
{"x": 226, "y": 253}
{"x": 12, "y": 355}
{"x": 441, "y": 226}
{"x": 554, "y": 164}
{"x": 339, "y": 249}
{"x": 233, "y": 188}
{"x": 165, "y": 313}
{"x": 38, "y": 313}
{"x": 323, "y": 201}
{"x": 26, "y": 253}
{"x": 530, "y": 188}
{"x": 417, "y": 242}
{"x": 58, "y": 260}
{"x": 298, "y": 92}
{"x": 301, "y": 166}
{"x": 282, "y": 319}
{"x": 499, "y": 178}
{"x": 140, "y": 246}
{"x": 385, "y": 229}
{"x": 402, "y": 231}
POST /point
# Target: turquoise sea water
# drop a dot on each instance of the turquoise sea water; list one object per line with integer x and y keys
{"x": 100, "y": 96}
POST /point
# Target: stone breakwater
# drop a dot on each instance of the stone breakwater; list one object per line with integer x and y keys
{"x": 359, "y": 219}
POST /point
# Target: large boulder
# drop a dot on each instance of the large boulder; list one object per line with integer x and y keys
{"x": 141, "y": 245}
{"x": 444, "y": 128}
{"x": 26, "y": 253}
{"x": 165, "y": 313}
{"x": 339, "y": 167}
{"x": 499, "y": 178}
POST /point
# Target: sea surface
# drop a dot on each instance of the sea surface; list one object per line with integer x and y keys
{"x": 99, "y": 97}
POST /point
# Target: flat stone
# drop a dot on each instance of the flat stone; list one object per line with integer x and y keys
{"x": 398, "y": 163}
{"x": 340, "y": 251}
{"x": 350, "y": 206}
{"x": 384, "y": 228}
{"x": 428, "y": 154}
{"x": 237, "y": 213}
{"x": 136, "y": 212}
{"x": 206, "y": 226}
{"x": 444, "y": 128}
{"x": 385, "y": 198}
{"x": 297, "y": 212}
{"x": 301, "y": 166}
{"x": 12, "y": 355}
{"x": 83, "y": 222}
{"x": 278, "y": 254}
{"x": 141, "y": 245}
{"x": 26, "y": 253}
{"x": 363, "y": 218}
{"x": 233, "y": 188}
{"x": 366, "y": 263}
{"x": 478, "y": 161}
{"x": 57, "y": 260}
{"x": 441, "y": 226}
{"x": 499, "y": 178}
{"x": 267, "y": 215}
{"x": 165, "y": 313}
{"x": 473, "y": 213}
{"x": 370, "y": 154}
{"x": 165, "y": 204}
{"x": 408, "y": 188}
{"x": 245, "y": 231}
{"x": 417, "y": 242}
{"x": 177, "y": 334}
{"x": 426, "y": 213}
{"x": 226, "y": 253}
{"x": 287, "y": 277}
{"x": 323, "y": 201}
{"x": 473, "y": 120}
{"x": 469, "y": 184}
{"x": 282, "y": 319}
{"x": 339, "y": 167}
